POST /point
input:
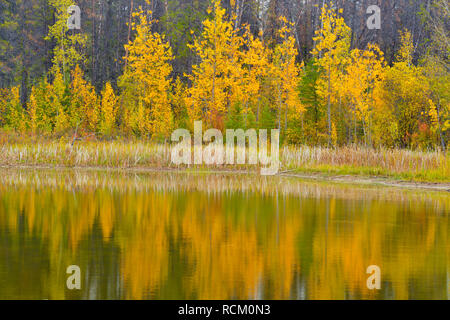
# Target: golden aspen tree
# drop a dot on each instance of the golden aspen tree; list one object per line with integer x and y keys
{"x": 108, "y": 109}
{"x": 215, "y": 79}
{"x": 15, "y": 114}
{"x": 57, "y": 99}
{"x": 256, "y": 69}
{"x": 45, "y": 111}
{"x": 83, "y": 108}
{"x": 334, "y": 135}
{"x": 178, "y": 102}
{"x": 4, "y": 95}
{"x": 146, "y": 81}
{"x": 402, "y": 99}
{"x": 239, "y": 78}
{"x": 435, "y": 71}
{"x": 140, "y": 118}
{"x": 32, "y": 111}
{"x": 405, "y": 53}
{"x": 436, "y": 68}
{"x": 285, "y": 75}
{"x": 364, "y": 71}
{"x": 332, "y": 45}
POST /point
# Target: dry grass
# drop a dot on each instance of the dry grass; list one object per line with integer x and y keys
{"x": 398, "y": 163}
{"x": 403, "y": 164}
{"x": 86, "y": 154}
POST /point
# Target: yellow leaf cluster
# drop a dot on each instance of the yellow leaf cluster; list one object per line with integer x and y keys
{"x": 146, "y": 82}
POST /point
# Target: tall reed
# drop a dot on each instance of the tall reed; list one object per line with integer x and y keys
{"x": 407, "y": 164}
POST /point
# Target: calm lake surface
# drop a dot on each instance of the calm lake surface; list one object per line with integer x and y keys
{"x": 219, "y": 236}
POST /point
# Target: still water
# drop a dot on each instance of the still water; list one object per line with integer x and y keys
{"x": 217, "y": 236}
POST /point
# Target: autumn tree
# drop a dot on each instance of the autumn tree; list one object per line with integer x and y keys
{"x": 285, "y": 75}
{"x": 332, "y": 45}
{"x": 108, "y": 110}
{"x": 215, "y": 78}
{"x": 438, "y": 77}
{"x": 402, "y": 99}
{"x": 13, "y": 115}
{"x": 41, "y": 109}
{"x": 83, "y": 108}
{"x": 4, "y": 96}
{"x": 254, "y": 74}
{"x": 363, "y": 73}
{"x": 436, "y": 68}
{"x": 32, "y": 111}
{"x": 146, "y": 82}
{"x": 178, "y": 103}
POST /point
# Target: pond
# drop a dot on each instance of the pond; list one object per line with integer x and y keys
{"x": 170, "y": 235}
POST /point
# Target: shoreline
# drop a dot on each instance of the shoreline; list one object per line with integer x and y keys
{"x": 312, "y": 176}
{"x": 371, "y": 180}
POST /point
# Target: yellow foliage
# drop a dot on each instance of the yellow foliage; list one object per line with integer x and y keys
{"x": 407, "y": 48}
{"x": 334, "y": 136}
{"x": 17, "y": 118}
{"x": 32, "y": 111}
{"x": 256, "y": 67}
{"x": 284, "y": 74}
{"x": 108, "y": 110}
{"x": 83, "y": 109}
{"x": 61, "y": 121}
{"x": 146, "y": 82}
{"x": 66, "y": 53}
{"x": 400, "y": 100}
{"x": 332, "y": 45}
{"x": 215, "y": 80}
{"x": 363, "y": 73}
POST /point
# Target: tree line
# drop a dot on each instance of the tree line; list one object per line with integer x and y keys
{"x": 309, "y": 68}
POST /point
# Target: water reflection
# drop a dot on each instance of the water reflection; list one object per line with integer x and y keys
{"x": 198, "y": 236}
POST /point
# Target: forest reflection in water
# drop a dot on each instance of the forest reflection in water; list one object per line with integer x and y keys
{"x": 171, "y": 235}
